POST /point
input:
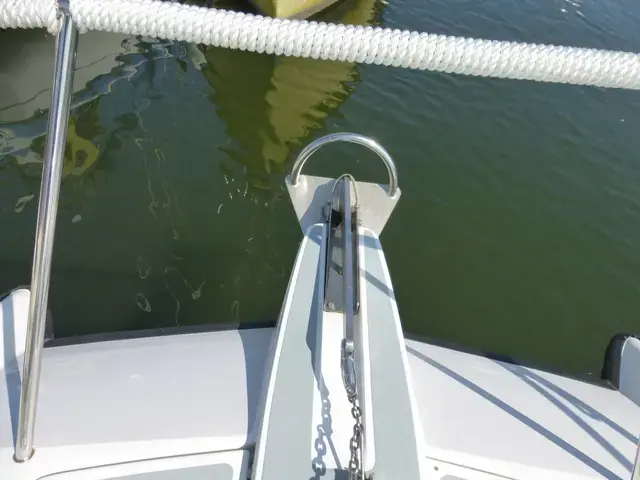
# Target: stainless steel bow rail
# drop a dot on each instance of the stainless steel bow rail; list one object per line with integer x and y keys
{"x": 65, "y": 61}
{"x": 350, "y": 138}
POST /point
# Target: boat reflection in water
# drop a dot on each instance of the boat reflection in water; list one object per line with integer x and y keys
{"x": 156, "y": 231}
{"x": 268, "y": 104}
{"x": 103, "y": 60}
{"x": 272, "y": 104}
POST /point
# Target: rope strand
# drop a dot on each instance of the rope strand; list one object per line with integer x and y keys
{"x": 380, "y": 46}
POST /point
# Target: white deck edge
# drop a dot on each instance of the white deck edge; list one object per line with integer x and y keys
{"x": 369, "y": 443}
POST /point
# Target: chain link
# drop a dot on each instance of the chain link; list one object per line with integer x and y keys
{"x": 355, "y": 445}
{"x": 324, "y": 431}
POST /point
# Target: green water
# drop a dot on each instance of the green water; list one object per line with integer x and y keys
{"x": 519, "y": 226}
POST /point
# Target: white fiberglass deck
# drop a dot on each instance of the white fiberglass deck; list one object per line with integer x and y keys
{"x": 519, "y": 422}
{"x": 106, "y": 402}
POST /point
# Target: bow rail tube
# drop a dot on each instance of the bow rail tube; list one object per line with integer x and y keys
{"x": 66, "y": 44}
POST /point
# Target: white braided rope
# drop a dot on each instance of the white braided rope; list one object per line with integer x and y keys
{"x": 28, "y": 14}
{"x": 350, "y": 43}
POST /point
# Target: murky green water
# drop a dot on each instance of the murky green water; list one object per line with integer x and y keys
{"x": 519, "y": 226}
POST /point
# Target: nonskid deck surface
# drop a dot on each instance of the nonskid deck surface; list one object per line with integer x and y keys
{"x": 285, "y": 438}
{"x": 307, "y": 424}
{"x": 396, "y": 436}
{"x": 208, "y": 466}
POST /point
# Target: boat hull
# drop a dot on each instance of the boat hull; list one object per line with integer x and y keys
{"x": 293, "y": 9}
{"x": 107, "y": 400}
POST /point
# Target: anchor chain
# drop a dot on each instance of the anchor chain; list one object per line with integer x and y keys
{"x": 355, "y": 468}
{"x": 355, "y": 445}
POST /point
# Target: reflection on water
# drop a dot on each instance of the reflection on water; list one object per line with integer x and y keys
{"x": 269, "y": 104}
{"x": 158, "y": 247}
{"x": 90, "y": 126}
{"x": 517, "y": 231}
{"x": 272, "y": 104}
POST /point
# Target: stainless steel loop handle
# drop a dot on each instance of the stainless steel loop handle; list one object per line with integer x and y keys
{"x": 351, "y": 138}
